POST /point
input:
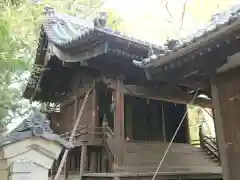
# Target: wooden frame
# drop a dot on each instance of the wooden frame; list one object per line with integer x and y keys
{"x": 175, "y": 96}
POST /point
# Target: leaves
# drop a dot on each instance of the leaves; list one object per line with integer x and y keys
{"x": 20, "y": 22}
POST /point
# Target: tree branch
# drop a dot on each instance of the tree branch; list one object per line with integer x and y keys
{"x": 165, "y": 4}
{"x": 183, "y": 14}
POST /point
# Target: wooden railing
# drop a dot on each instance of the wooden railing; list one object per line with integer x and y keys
{"x": 109, "y": 139}
{"x": 209, "y": 144}
{"x": 89, "y": 133}
{"x": 85, "y": 133}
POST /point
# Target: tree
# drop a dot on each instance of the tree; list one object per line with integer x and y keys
{"x": 19, "y": 29}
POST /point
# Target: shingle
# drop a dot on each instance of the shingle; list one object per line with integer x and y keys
{"x": 67, "y": 31}
{"x": 218, "y": 22}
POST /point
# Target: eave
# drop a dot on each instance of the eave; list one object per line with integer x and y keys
{"x": 174, "y": 95}
{"x": 199, "y": 59}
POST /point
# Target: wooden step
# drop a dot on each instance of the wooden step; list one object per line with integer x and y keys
{"x": 180, "y": 169}
{"x": 142, "y": 156}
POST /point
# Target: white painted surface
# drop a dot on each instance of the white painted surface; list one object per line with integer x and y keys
{"x": 35, "y": 157}
{"x": 29, "y": 159}
{"x": 25, "y": 145}
{"x": 209, "y": 122}
{"x": 27, "y": 171}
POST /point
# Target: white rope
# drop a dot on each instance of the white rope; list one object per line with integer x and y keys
{"x": 64, "y": 157}
{"x": 167, "y": 150}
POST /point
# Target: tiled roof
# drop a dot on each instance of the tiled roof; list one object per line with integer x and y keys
{"x": 35, "y": 125}
{"x": 72, "y": 35}
{"x": 220, "y": 24}
{"x": 67, "y": 31}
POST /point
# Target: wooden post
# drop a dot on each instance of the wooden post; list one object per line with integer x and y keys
{"x": 75, "y": 109}
{"x": 226, "y": 104}
{"x": 95, "y": 119}
{"x": 201, "y": 136}
{"x": 215, "y": 128}
{"x": 66, "y": 168}
{"x": 129, "y": 123}
{"x": 104, "y": 160}
{"x": 83, "y": 159}
{"x": 119, "y": 123}
{"x": 163, "y": 123}
{"x": 98, "y": 162}
{"x": 93, "y": 162}
{"x": 219, "y": 130}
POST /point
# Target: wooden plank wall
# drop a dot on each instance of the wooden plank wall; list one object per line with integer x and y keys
{"x": 64, "y": 120}
{"x": 226, "y": 102}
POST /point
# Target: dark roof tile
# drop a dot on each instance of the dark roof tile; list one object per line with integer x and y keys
{"x": 201, "y": 37}
{"x": 67, "y": 31}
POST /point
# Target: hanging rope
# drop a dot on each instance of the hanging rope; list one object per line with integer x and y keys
{"x": 73, "y": 132}
{"x": 208, "y": 113}
{"x": 167, "y": 150}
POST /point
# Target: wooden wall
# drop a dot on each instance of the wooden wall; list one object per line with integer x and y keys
{"x": 226, "y": 102}
{"x": 63, "y": 121}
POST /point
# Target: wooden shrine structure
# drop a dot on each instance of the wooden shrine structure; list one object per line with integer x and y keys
{"x": 138, "y": 98}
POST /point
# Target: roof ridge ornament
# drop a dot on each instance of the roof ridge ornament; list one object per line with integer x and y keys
{"x": 48, "y": 10}
{"x": 36, "y": 124}
{"x": 101, "y": 20}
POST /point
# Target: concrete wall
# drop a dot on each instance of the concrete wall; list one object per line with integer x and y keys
{"x": 29, "y": 159}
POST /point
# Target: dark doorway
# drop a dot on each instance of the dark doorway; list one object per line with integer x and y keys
{"x": 173, "y": 115}
{"x": 104, "y": 106}
{"x": 154, "y": 120}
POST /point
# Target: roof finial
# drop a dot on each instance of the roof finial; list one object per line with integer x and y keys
{"x": 48, "y": 10}
{"x": 101, "y": 20}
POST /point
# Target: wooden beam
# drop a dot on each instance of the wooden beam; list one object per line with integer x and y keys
{"x": 174, "y": 96}
{"x": 191, "y": 83}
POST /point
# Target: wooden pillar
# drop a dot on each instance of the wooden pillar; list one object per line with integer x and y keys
{"x": 104, "y": 161}
{"x": 83, "y": 160}
{"x": 93, "y": 162}
{"x": 95, "y": 118}
{"x": 119, "y": 123}
{"x": 66, "y": 168}
{"x": 163, "y": 123}
{"x": 129, "y": 122}
{"x": 226, "y": 104}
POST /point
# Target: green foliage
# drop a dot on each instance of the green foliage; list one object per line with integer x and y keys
{"x": 19, "y": 30}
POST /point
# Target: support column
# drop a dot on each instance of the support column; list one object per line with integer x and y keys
{"x": 163, "y": 122}
{"x": 66, "y": 168}
{"x": 226, "y": 104}
{"x": 93, "y": 161}
{"x": 104, "y": 161}
{"x": 83, "y": 160}
{"x": 119, "y": 123}
{"x": 129, "y": 122}
{"x": 95, "y": 119}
